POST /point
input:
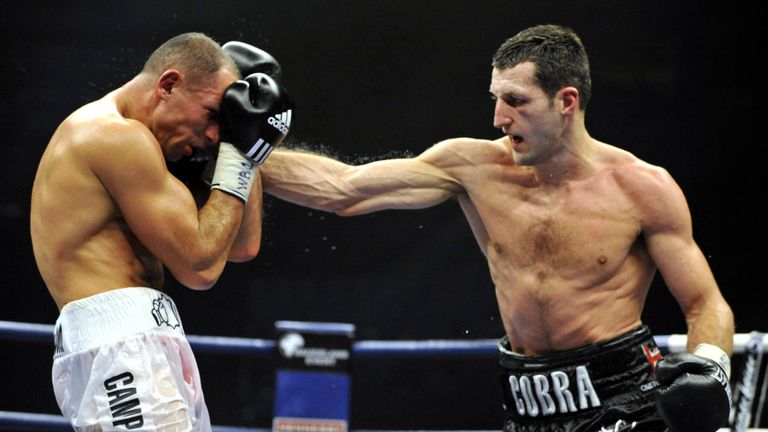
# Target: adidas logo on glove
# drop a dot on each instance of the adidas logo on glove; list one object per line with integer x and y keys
{"x": 281, "y": 122}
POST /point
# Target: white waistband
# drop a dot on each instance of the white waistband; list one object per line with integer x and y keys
{"x": 114, "y": 314}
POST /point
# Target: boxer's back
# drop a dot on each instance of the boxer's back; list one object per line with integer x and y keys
{"x": 81, "y": 242}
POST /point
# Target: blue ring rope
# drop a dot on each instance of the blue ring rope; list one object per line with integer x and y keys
{"x": 231, "y": 345}
{"x": 31, "y": 332}
{"x": 12, "y": 420}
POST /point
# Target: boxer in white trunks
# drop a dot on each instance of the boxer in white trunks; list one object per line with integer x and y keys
{"x": 107, "y": 216}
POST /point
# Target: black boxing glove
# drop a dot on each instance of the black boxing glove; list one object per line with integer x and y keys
{"x": 202, "y": 163}
{"x": 696, "y": 396}
{"x": 250, "y": 60}
{"x": 254, "y": 117}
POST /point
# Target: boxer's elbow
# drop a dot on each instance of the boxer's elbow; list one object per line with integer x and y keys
{"x": 200, "y": 277}
{"x": 245, "y": 253}
{"x": 351, "y": 211}
{"x": 247, "y": 244}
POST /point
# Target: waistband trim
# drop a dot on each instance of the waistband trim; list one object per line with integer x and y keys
{"x": 114, "y": 314}
{"x": 592, "y": 352}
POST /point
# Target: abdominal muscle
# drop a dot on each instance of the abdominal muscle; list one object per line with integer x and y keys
{"x": 544, "y": 311}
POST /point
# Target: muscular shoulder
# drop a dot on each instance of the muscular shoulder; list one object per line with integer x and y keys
{"x": 465, "y": 151}
{"x": 639, "y": 178}
{"x": 656, "y": 196}
{"x": 95, "y": 125}
{"x": 103, "y": 138}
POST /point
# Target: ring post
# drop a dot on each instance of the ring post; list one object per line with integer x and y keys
{"x": 743, "y": 406}
{"x": 312, "y": 385}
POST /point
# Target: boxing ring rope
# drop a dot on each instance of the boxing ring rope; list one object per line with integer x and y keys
{"x": 43, "y": 333}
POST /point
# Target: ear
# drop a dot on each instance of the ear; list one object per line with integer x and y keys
{"x": 167, "y": 81}
{"x": 569, "y": 97}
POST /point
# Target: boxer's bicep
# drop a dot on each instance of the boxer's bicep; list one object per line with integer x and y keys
{"x": 158, "y": 209}
{"x": 667, "y": 228}
{"x": 131, "y": 166}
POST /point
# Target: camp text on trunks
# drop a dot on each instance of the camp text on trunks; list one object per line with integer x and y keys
{"x": 124, "y": 412}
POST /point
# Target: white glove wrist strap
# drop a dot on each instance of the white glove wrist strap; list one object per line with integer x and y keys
{"x": 715, "y": 354}
{"x": 234, "y": 172}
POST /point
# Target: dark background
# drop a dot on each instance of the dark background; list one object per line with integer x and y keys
{"x": 676, "y": 83}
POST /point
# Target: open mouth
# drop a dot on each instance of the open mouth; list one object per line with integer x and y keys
{"x": 517, "y": 139}
{"x": 201, "y": 155}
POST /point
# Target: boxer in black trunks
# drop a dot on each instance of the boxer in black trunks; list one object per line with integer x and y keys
{"x": 573, "y": 229}
{"x": 609, "y": 383}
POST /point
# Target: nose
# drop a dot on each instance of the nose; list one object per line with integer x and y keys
{"x": 500, "y": 116}
{"x": 212, "y": 134}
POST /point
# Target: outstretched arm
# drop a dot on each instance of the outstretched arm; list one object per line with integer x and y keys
{"x": 326, "y": 184}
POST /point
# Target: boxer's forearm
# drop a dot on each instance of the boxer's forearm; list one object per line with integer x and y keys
{"x": 711, "y": 323}
{"x": 305, "y": 179}
{"x": 248, "y": 241}
{"x": 197, "y": 258}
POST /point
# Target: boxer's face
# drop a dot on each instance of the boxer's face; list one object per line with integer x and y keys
{"x": 526, "y": 114}
{"x": 189, "y": 118}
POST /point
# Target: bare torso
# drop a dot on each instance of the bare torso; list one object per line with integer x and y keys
{"x": 568, "y": 260}
{"x": 81, "y": 241}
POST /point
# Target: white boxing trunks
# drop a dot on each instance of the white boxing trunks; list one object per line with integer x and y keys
{"x": 122, "y": 363}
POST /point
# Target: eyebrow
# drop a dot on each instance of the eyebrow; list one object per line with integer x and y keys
{"x": 507, "y": 92}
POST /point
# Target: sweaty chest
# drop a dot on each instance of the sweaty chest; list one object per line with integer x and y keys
{"x": 554, "y": 240}
{"x": 574, "y": 232}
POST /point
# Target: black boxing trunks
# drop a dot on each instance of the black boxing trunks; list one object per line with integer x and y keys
{"x": 605, "y": 387}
